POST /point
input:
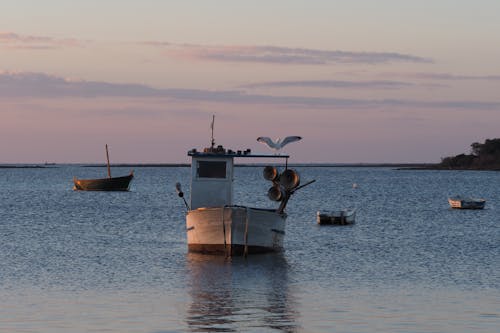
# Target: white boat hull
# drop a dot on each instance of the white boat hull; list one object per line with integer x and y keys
{"x": 235, "y": 230}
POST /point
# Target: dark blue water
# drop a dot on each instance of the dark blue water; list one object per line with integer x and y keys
{"x": 118, "y": 262}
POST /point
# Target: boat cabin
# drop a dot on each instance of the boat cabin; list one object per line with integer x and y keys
{"x": 212, "y": 175}
{"x": 211, "y": 180}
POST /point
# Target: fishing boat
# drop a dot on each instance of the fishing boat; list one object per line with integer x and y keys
{"x": 215, "y": 224}
{"x": 466, "y": 203}
{"x": 338, "y": 217}
{"x": 104, "y": 184}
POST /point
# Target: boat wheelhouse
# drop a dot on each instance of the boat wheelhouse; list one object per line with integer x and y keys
{"x": 215, "y": 224}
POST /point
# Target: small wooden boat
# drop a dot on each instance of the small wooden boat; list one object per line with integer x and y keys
{"x": 339, "y": 217}
{"x": 466, "y": 203}
{"x": 104, "y": 184}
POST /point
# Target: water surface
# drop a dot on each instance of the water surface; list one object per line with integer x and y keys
{"x": 118, "y": 262}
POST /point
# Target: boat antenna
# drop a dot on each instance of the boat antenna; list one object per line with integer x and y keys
{"x": 212, "y": 127}
{"x": 107, "y": 158}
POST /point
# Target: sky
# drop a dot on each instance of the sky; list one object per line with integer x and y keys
{"x": 391, "y": 81}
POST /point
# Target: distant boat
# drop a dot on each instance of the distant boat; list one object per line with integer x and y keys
{"x": 339, "y": 217}
{"x": 466, "y": 203}
{"x": 104, "y": 184}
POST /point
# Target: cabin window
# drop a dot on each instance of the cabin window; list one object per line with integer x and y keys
{"x": 211, "y": 169}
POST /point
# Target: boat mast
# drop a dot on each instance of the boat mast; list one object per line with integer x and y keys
{"x": 212, "y": 143}
{"x": 107, "y": 158}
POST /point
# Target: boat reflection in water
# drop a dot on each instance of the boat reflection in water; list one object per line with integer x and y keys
{"x": 237, "y": 294}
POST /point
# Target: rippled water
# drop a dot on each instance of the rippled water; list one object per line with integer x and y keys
{"x": 118, "y": 262}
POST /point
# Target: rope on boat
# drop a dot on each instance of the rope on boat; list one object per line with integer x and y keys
{"x": 245, "y": 251}
{"x": 224, "y": 230}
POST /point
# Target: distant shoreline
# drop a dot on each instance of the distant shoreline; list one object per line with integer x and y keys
{"x": 182, "y": 165}
{"x": 23, "y": 167}
{"x": 396, "y": 166}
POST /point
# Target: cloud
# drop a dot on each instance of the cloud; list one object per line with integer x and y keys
{"x": 281, "y": 55}
{"x": 13, "y": 40}
{"x": 444, "y": 76}
{"x": 152, "y": 43}
{"x": 454, "y": 77}
{"x": 47, "y": 86}
{"x": 377, "y": 84}
{"x": 28, "y": 84}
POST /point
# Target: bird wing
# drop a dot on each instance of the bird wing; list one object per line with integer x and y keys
{"x": 289, "y": 139}
{"x": 267, "y": 141}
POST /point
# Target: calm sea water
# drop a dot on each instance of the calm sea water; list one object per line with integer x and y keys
{"x": 118, "y": 262}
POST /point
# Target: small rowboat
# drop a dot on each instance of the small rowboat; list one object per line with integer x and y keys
{"x": 466, "y": 203}
{"x": 339, "y": 217}
{"x": 104, "y": 184}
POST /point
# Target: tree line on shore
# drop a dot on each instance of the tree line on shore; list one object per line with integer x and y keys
{"x": 483, "y": 156}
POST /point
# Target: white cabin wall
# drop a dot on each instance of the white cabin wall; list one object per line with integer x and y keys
{"x": 211, "y": 192}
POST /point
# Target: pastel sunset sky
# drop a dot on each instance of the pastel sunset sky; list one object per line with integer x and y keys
{"x": 360, "y": 81}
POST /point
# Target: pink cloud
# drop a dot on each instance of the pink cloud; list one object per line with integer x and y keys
{"x": 444, "y": 76}
{"x": 11, "y": 40}
{"x": 42, "y": 85}
{"x": 373, "y": 84}
{"x": 281, "y": 55}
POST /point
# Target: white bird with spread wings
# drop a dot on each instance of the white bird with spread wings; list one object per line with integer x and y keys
{"x": 279, "y": 143}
